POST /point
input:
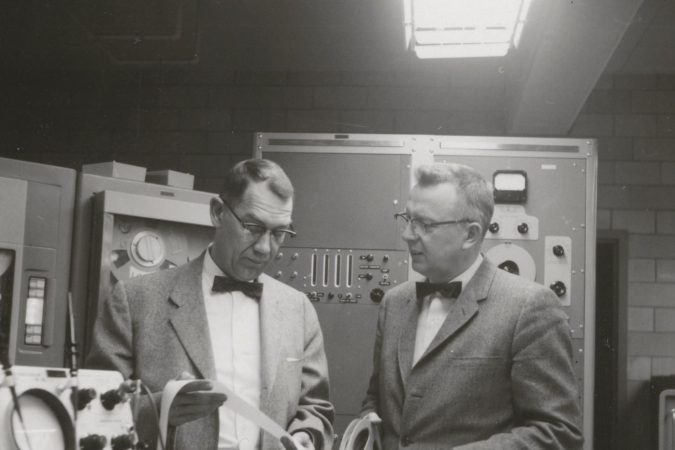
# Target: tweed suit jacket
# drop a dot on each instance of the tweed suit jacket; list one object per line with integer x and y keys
{"x": 155, "y": 327}
{"x": 498, "y": 375}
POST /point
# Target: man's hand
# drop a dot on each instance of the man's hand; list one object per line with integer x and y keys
{"x": 194, "y": 401}
{"x": 301, "y": 441}
{"x": 373, "y": 417}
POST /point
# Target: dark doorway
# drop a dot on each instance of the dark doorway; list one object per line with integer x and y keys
{"x": 610, "y": 340}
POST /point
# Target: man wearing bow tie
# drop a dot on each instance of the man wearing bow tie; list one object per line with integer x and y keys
{"x": 475, "y": 357}
{"x": 220, "y": 318}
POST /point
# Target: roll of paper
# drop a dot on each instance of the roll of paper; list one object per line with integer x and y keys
{"x": 233, "y": 402}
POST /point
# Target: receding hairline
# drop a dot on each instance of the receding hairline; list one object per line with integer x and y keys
{"x": 259, "y": 171}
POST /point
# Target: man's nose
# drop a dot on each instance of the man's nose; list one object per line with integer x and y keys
{"x": 407, "y": 233}
{"x": 263, "y": 245}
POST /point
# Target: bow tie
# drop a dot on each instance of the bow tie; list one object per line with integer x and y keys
{"x": 447, "y": 290}
{"x": 248, "y": 288}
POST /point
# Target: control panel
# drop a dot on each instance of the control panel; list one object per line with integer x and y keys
{"x": 340, "y": 275}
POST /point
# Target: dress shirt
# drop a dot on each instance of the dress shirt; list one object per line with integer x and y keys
{"x": 234, "y": 327}
{"x": 434, "y": 311}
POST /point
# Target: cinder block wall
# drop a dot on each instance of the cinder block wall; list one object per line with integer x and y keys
{"x": 634, "y": 119}
{"x": 201, "y": 121}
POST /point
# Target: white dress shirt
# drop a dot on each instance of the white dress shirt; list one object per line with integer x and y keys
{"x": 234, "y": 327}
{"x": 435, "y": 310}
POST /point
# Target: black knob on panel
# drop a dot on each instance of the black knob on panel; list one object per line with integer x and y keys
{"x": 493, "y": 227}
{"x": 558, "y": 250}
{"x": 84, "y": 396}
{"x": 376, "y": 295}
{"x": 93, "y": 442}
{"x": 559, "y": 288}
{"x": 369, "y": 257}
{"x": 523, "y": 228}
{"x": 122, "y": 442}
{"x": 111, "y": 398}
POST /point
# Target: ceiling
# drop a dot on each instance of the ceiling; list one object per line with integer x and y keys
{"x": 567, "y": 46}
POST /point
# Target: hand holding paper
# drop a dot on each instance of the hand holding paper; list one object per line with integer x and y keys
{"x": 197, "y": 396}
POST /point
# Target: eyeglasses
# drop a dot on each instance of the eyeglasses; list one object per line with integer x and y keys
{"x": 258, "y": 230}
{"x": 420, "y": 227}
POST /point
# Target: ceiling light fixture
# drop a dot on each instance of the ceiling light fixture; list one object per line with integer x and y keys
{"x": 463, "y": 28}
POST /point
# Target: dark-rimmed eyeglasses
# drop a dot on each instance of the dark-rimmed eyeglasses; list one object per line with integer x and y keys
{"x": 258, "y": 230}
{"x": 420, "y": 227}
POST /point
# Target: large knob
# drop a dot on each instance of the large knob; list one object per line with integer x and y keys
{"x": 493, "y": 227}
{"x": 523, "y": 228}
{"x": 84, "y": 396}
{"x": 558, "y": 250}
{"x": 93, "y": 442}
{"x": 122, "y": 442}
{"x": 376, "y": 295}
{"x": 559, "y": 288}
{"x": 111, "y": 398}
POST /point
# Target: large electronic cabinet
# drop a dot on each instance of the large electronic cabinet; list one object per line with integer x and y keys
{"x": 36, "y": 218}
{"x": 126, "y": 228}
{"x": 349, "y": 250}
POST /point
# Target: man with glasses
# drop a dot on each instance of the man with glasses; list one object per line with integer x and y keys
{"x": 474, "y": 357}
{"x": 220, "y": 318}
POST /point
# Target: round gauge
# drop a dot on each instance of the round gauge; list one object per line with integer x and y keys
{"x": 147, "y": 249}
{"x": 46, "y": 423}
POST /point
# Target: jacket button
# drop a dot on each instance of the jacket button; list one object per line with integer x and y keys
{"x": 405, "y": 441}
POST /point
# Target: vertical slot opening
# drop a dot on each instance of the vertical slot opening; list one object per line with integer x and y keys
{"x": 326, "y": 268}
{"x": 350, "y": 261}
{"x": 338, "y": 266}
{"x": 313, "y": 269}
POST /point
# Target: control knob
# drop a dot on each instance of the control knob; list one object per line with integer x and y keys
{"x": 84, "y": 396}
{"x": 122, "y": 442}
{"x": 93, "y": 442}
{"x": 376, "y": 295}
{"x": 559, "y": 288}
{"x": 111, "y": 398}
{"x": 523, "y": 228}
{"x": 493, "y": 227}
{"x": 558, "y": 250}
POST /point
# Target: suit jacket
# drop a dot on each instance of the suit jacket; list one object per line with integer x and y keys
{"x": 498, "y": 375}
{"x": 155, "y": 327}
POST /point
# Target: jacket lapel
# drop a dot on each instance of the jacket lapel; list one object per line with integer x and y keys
{"x": 406, "y": 344}
{"x": 188, "y": 317}
{"x": 466, "y": 306}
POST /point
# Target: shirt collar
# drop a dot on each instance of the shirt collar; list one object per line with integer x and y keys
{"x": 466, "y": 276}
{"x": 211, "y": 269}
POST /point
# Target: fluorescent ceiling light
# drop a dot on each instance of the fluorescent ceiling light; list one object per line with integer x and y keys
{"x": 463, "y": 28}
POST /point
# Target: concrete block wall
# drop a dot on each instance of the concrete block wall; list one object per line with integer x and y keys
{"x": 634, "y": 119}
{"x": 201, "y": 121}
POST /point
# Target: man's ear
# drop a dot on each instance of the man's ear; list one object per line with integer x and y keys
{"x": 474, "y": 235}
{"x": 216, "y": 210}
